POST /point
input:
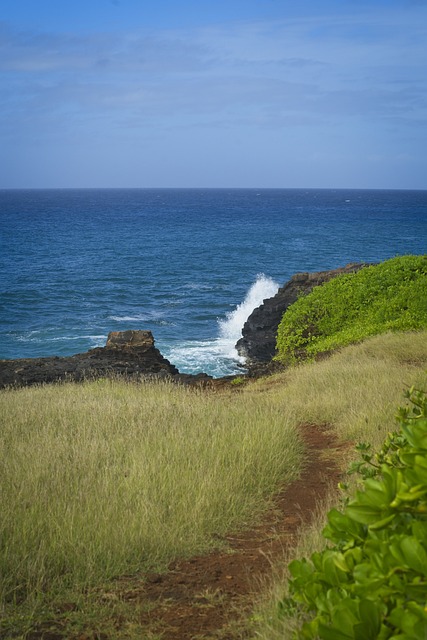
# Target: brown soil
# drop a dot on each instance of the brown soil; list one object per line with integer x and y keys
{"x": 200, "y": 597}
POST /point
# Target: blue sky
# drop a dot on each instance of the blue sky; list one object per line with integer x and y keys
{"x": 201, "y": 93}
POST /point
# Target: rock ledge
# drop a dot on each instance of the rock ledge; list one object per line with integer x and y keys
{"x": 131, "y": 354}
{"x": 258, "y": 342}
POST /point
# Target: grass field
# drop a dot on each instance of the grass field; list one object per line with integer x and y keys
{"x": 107, "y": 478}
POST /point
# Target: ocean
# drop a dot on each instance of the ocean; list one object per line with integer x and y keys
{"x": 187, "y": 264}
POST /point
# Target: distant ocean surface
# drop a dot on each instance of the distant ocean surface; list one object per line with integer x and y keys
{"x": 187, "y": 264}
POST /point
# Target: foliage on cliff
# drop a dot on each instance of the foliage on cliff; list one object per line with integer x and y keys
{"x": 390, "y": 296}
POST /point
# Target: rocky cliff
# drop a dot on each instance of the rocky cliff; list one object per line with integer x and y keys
{"x": 258, "y": 342}
{"x": 132, "y": 354}
{"x": 127, "y": 353}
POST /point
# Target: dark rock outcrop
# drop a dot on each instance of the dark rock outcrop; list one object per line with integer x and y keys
{"x": 258, "y": 342}
{"x": 127, "y": 353}
{"x": 132, "y": 353}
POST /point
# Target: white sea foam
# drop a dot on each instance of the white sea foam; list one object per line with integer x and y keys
{"x": 80, "y": 337}
{"x": 29, "y": 336}
{"x": 40, "y": 336}
{"x": 231, "y": 327}
{"x": 153, "y": 317}
{"x": 194, "y": 356}
{"x": 219, "y": 357}
{"x": 139, "y": 317}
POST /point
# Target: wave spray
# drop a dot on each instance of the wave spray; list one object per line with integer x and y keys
{"x": 231, "y": 327}
{"x": 219, "y": 357}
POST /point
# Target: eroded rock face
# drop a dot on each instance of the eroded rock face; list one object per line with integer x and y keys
{"x": 127, "y": 353}
{"x": 258, "y": 342}
{"x": 130, "y": 340}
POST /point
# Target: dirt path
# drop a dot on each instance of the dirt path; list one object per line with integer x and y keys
{"x": 201, "y": 597}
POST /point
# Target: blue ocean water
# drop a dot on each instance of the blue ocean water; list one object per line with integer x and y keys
{"x": 187, "y": 264}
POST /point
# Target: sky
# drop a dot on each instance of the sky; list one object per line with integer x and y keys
{"x": 213, "y": 93}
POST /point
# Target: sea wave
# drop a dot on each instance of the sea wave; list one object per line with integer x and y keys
{"x": 231, "y": 327}
{"x": 219, "y": 357}
{"x": 153, "y": 317}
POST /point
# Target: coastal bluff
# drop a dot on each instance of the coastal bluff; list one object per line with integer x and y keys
{"x": 130, "y": 354}
{"x": 258, "y": 342}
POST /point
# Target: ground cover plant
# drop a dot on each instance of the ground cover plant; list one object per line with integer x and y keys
{"x": 390, "y": 296}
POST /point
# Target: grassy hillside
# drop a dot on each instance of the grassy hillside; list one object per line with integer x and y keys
{"x": 391, "y": 296}
{"x": 107, "y": 478}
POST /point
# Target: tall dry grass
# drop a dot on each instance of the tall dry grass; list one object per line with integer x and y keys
{"x": 357, "y": 390}
{"x": 107, "y": 477}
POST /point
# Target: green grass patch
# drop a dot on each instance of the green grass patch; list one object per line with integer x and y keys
{"x": 391, "y": 296}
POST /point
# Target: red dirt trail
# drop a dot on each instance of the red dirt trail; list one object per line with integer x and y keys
{"x": 203, "y": 598}
{"x": 198, "y": 598}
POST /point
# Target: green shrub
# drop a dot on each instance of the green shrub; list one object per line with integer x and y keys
{"x": 372, "y": 583}
{"x": 391, "y": 296}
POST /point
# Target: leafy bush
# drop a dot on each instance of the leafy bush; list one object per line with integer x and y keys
{"x": 391, "y": 296}
{"x": 372, "y": 583}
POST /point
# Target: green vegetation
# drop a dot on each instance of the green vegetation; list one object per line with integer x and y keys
{"x": 355, "y": 392}
{"x": 372, "y": 583}
{"x": 391, "y": 296}
{"x": 110, "y": 478}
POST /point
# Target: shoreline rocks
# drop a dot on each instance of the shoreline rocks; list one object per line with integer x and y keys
{"x": 258, "y": 342}
{"x": 129, "y": 354}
